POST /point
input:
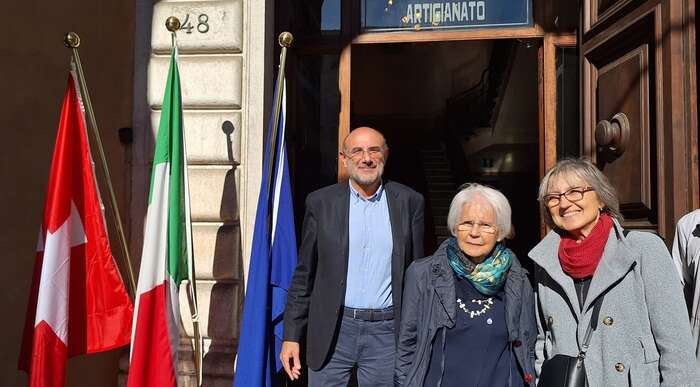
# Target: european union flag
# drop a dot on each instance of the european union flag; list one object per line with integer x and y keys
{"x": 272, "y": 261}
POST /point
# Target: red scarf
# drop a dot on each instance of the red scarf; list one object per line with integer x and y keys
{"x": 580, "y": 259}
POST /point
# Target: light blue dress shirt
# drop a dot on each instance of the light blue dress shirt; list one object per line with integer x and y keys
{"x": 369, "y": 259}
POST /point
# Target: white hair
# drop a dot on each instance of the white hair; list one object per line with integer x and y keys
{"x": 493, "y": 197}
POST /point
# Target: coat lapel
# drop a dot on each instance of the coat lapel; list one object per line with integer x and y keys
{"x": 616, "y": 261}
{"x": 546, "y": 255}
{"x": 395, "y": 210}
{"x": 513, "y": 298}
{"x": 442, "y": 281}
{"x": 341, "y": 216}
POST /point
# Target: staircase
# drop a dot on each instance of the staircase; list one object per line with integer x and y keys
{"x": 479, "y": 106}
{"x": 440, "y": 188}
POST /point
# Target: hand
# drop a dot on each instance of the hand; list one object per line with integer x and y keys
{"x": 290, "y": 351}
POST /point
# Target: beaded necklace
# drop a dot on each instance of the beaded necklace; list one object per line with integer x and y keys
{"x": 485, "y": 305}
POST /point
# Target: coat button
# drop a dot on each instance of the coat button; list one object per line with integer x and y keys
{"x": 550, "y": 321}
{"x": 608, "y": 321}
{"x": 517, "y": 343}
{"x": 619, "y": 367}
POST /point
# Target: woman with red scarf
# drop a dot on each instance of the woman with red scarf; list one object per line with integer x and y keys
{"x": 617, "y": 287}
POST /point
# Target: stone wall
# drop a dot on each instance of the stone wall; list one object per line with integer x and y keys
{"x": 222, "y": 61}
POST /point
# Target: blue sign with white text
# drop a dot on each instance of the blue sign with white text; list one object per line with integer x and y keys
{"x": 396, "y": 15}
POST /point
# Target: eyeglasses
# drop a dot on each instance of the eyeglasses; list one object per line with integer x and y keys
{"x": 483, "y": 227}
{"x": 573, "y": 195}
{"x": 356, "y": 153}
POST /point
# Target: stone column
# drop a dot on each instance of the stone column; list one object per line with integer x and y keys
{"x": 222, "y": 61}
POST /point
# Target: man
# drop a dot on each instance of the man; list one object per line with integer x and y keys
{"x": 686, "y": 256}
{"x": 358, "y": 238}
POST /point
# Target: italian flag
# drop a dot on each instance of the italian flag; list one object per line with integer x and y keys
{"x": 164, "y": 266}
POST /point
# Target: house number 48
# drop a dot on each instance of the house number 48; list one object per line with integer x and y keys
{"x": 202, "y": 24}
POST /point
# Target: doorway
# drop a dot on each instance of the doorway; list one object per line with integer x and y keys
{"x": 452, "y": 113}
{"x": 419, "y": 86}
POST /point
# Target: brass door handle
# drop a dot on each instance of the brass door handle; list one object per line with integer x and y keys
{"x": 614, "y": 135}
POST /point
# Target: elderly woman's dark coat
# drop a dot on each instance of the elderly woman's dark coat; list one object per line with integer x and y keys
{"x": 429, "y": 305}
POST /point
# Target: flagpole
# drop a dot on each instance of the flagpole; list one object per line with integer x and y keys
{"x": 72, "y": 41}
{"x": 285, "y": 40}
{"x": 172, "y": 23}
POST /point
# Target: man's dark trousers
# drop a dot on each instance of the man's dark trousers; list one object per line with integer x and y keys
{"x": 368, "y": 345}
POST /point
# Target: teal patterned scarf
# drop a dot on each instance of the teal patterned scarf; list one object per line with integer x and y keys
{"x": 487, "y": 277}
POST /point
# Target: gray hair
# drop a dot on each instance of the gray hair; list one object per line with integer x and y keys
{"x": 493, "y": 197}
{"x": 586, "y": 171}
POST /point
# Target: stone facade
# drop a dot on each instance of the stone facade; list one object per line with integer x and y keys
{"x": 222, "y": 56}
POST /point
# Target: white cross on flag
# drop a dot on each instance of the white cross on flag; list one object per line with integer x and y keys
{"x": 78, "y": 303}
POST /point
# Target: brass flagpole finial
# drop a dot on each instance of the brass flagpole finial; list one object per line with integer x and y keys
{"x": 71, "y": 40}
{"x": 285, "y": 39}
{"x": 172, "y": 24}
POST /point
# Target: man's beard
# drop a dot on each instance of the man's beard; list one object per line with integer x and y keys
{"x": 364, "y": 179}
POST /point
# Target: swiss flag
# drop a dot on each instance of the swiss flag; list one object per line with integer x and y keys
{"x": 78, "y": 303}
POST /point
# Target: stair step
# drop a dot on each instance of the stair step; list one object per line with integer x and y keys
{"x": 432, "y": 162}
{"x": 432, "y": 151}
{"x": 440, "y": 220}
{"x": 433, "y": 156}
{"x": 441, "y": 186}
{"x": 435, "y": 160}
{"x": 442, "y": 193}
{"x": 439, "y": 208}
{"x": 436, "y": 163}
{"x": 441, "y": 182}
{"x": 436, "y": 166}
{"x": 437, "y": 172}
{"x": 442, "y": 230}
{"x": 446, "y": 186}
{"x": 440, "y": 179}
{"x": 440, "y": 201}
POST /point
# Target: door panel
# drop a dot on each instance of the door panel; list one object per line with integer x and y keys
{"x": 639, "y": 106}
{"x": 623, "y": 87}
{"x": 621, "y": 69}
{"x": 600, "y": 10}
{"x": 603, "y": 5}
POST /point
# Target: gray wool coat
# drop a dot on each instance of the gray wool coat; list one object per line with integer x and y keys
{"x": 643, "y": 334}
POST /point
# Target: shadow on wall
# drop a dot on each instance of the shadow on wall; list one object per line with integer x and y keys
{"x": 226, "y": 301}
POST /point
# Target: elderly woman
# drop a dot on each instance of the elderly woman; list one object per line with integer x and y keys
{"x": 588, "y": 265}
{"x": 468, "y": 311}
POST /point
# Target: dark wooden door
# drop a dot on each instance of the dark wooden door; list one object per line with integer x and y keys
{"x": 639, "y": 106}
